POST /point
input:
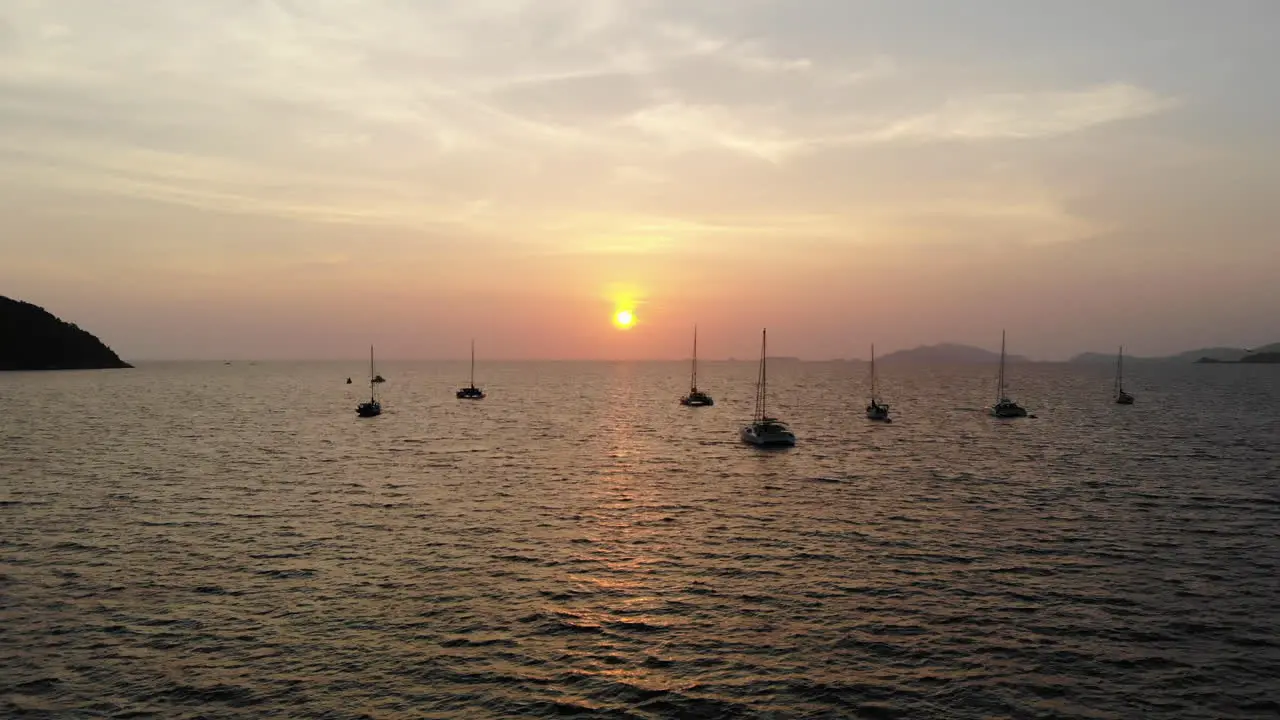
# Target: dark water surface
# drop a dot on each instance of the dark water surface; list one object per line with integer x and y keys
{"x": 201, "y": 540}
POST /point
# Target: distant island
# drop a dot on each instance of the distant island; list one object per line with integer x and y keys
{"x": 1258, "y": 358}
{"x": 1203, "y": 355}
{"x": 31, "y": 338}
{"x": 947, "y": 354}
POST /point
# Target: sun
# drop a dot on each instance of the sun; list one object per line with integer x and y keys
{"x": 624, "y": 319}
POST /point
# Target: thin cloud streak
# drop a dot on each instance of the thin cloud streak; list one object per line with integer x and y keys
{"x": 1012, "y": 116}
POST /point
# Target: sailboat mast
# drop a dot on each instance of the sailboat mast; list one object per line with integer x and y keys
{"x": 759, "y": 377}
{"x": 693, "y": 380}
{"x": 473, "y": 362}
{"x": 1120, "y": 369}
{"x": 764, "y": 371}
{"x": 873, "y": 372}
{"x": 372, "y": 386}
{"x": 1000, "y": 380}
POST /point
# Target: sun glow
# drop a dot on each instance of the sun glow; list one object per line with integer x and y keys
{"x": 624, "y": 319}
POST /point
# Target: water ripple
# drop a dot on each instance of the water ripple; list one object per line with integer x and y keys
{"x": 211, "y": 541}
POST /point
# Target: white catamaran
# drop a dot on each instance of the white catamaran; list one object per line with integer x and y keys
{"x": 696, "y": 397}
{"x": 876, "y": 410}
{"x": 765, "y": 431}
{"x": 1004, "y": 407}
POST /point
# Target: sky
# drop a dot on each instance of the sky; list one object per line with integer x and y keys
{"x": 297, "y": 179}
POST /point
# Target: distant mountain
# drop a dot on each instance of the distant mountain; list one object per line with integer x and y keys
{"x": 1211, "y": 354}
{"x": 947, "y": 354}
{"x": 1256, "y": 358}
{"x": 1262, "y": 358}
{"x": 33, "y": 339}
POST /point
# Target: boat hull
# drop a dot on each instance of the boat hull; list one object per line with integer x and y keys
{"x": 697, "y": 400}
{"x": 1007, "y": 411}
{"x": 767, "y": 438}
{"x": 1124, "y": 399}
{"x": 368, "y": 410}
{"x": 470, "y": 394}
{"x": 878, "y": 413}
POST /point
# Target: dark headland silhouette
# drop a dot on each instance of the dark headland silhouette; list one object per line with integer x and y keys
{"x": 31, "y": 338}
{"x": 1256, "y": 358}
{"x": 947, "y": 354}
{"x": 1202, "y": 355}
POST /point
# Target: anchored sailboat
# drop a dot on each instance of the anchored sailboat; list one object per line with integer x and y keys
{"x": 876, "y": 410}
{"x": 1122, "y": 397}
{"x": 696, "y": 397}
{"x": 373, "y": 408}
{"x": 765, "y": 431}
{"x": 471, "y": 392}
{"x": 1004, "y": 407}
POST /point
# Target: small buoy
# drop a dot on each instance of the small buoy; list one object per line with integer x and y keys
{"x": 348, "y": 381}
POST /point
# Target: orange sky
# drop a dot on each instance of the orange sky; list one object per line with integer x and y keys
{"x": 264, "y": 182}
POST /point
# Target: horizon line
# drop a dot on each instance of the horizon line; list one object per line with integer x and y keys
{"x": 467, "y": 359}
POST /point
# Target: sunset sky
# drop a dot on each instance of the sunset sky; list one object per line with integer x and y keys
{"x": 299, "y": 178}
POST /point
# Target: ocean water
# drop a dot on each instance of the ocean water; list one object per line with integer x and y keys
{"x": 205, "y": 540}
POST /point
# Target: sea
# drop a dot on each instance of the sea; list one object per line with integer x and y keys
{"x": 209, "y": 540}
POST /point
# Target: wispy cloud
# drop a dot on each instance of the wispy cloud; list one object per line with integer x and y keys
{"x": 682, "y": 128}
{"x": 479, "y": 113}
{"x": 1026, "y": 115}
{"x": 775, "y": 134}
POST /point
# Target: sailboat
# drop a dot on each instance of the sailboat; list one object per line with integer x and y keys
{"x": 876, "y": 410}
{"x": 373, "y": 408}
{"x": 696, "y": 397}
{"x": 1122, "y": 397}
{"x": 765, "y": 431}
{"x": 1004, "y": 407}
{"x": 471, "y": 392}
